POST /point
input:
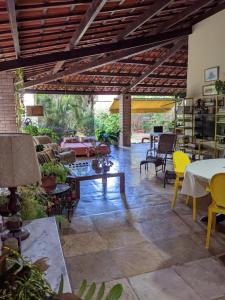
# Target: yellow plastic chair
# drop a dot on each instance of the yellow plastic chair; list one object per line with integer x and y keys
{"x": 217, "y": 189}
{"x": 180, "y": 162}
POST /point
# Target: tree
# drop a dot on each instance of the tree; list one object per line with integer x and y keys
{"x": 67, "y": 112}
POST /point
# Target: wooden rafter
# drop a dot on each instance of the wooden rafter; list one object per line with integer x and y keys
{"x": 131, "y": 74}
{"x": 114, "y": 84}
{"x": 106, "y": 60}
{"x": 36, "y": 6}
{"x": 150, "y": 63}
{"x": 146, "y": 16}
{"x": 148, "y": 42}
{"x": 93, "y": 92}
{"x": 77, "y": 68}
{"x": 86, "y": 21}
{"x": 183, "y": 15}
{"x": 13, "y": 25}
{"x": 152, "y": 68}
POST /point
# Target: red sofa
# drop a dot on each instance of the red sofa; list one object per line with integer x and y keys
{"x": 85, "y": 148}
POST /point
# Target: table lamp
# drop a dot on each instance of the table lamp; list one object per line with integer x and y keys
{"x": 18, "y": 166}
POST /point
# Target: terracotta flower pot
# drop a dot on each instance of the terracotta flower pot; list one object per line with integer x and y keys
{"x": 49, "y": 183}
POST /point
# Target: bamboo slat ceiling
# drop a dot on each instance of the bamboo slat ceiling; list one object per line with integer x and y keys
{"x": 100, "y": 47}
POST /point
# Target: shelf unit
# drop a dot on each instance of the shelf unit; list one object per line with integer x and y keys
{"x": 202, "y": 130}
{"x": 204, "y": 120}
{"x": 184, "y": 122}
{"x": 184, "y": 117}
{"x": 220, "y": 125}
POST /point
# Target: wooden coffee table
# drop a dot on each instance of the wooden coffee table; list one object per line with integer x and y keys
{"x": 86, "y": 172}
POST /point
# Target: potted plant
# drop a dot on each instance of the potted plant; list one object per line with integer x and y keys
{"x": 220, "y": 86}
{"x": 22, "y": 279}
{"x": 53, "y": 173}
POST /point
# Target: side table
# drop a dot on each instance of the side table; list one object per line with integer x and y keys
{"x": 61, "y": 198}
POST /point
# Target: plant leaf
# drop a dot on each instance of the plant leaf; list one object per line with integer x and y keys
{"x": 90, "y": 292}
{"x": 61, "y": 285}
{"x": 101, "y": 292}
{"x": 115, "y": 292}
{"x": 82, "y": 288}
{"x": 42, "y": 264}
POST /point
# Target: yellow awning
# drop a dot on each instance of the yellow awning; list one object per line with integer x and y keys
{"x": 146, "y": 106}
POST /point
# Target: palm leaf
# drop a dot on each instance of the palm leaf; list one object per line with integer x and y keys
{"x": 82, "y": 288}
{"x": 101, "y": 292}
{"x": 61, "y": 285}
{"x": 90, "y": 292}
{"x": 115, "y": 292}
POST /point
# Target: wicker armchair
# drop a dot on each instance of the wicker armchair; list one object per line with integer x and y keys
{"x": 65, "y": 156}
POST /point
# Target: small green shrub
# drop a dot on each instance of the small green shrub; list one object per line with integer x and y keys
{"x": 31, "y": 129}
{"x": 31, "y": 204}
{"x": 34, "y": 131}
{"x": 49, "y": 132}
{"x": 107, "y": 127}
{"x": 55, "y": 169}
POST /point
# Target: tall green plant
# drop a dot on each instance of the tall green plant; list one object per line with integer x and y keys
{"x": 66, "y": 112}
{"x": 107, "y": 127}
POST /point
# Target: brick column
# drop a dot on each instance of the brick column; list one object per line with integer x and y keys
{"x": 7, "y": 103}
{"x": 125, "y": 120}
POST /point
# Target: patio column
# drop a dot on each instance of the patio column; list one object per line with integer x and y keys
{"x": 125, "y": 120}
{"x": 7, "y": 103}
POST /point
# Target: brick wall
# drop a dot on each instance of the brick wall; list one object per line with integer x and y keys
{"x": 7, "y": 103}
{"x": 125, "y": 120}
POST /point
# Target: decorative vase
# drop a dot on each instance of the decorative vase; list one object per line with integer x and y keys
{"x": 95, "y": 163}
{"x": 49, "y": 183}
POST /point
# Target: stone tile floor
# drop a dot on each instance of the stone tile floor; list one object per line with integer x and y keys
{"x": 138, "y": 241}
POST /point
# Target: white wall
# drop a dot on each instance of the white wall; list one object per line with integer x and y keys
{"x": 206, "y": 49}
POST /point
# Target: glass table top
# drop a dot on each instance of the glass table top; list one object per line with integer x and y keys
{"x": 91, "y": 167}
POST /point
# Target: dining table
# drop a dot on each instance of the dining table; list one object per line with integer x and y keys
{"x": 197, "y": 177}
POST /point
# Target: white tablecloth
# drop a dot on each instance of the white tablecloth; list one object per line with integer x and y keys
{"x": 198, "y": 175}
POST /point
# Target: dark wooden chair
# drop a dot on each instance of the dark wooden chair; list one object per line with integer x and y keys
{"x": 159, "y": 156}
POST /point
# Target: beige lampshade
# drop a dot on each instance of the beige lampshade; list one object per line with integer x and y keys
{"x": 35, "y": 111}
{"x": 18, "y": 160}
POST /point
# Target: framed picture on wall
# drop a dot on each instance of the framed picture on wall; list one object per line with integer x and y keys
{"x": 209, "y": 90}
{"x": 211, "y": 74}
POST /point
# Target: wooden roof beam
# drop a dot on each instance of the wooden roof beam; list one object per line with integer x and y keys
{"x": 79, "y": 68}
{"x": 78, "y": 53}
{"x": 90, "y": 15}
{"x": 150, "y": 63}
{"x": 33, "y": 6}
{"x": 93, "y": 92}
{"x": 157, "y": 64}
{"x": 13, "y": 25}
{"x": 130, "y": 74}
{"x": 146, "y": 43}
{"x": 114, "y": 84}
{"x": 146, "y": 16}
{"x": 183, "y": 15}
